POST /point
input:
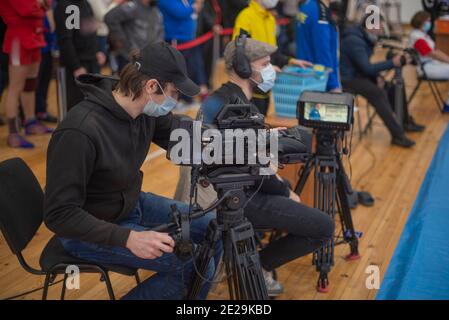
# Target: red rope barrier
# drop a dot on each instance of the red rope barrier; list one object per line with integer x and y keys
{"x": 209, "y": 35}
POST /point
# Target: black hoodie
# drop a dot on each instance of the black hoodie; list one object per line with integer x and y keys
{"x": 77, "y": 47}
{"x": 93, "y": 165}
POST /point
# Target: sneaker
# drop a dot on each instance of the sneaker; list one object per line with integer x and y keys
{"x": 15, "y": 140}
{"x": 44, "y": 116}
{"x": 35, "y": 127}
{"x": 446, "y": 108}
{"x": 274, "y": 287}
{"x": 403, "y": 142}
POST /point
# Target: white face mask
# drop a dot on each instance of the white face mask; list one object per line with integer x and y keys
{"x": 269, "y": 4}
{"x": 153, "y": 109}
{"x": 268, "y": 78}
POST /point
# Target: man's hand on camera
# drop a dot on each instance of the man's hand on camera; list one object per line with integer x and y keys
{"x": 294, "y": 197}
{"x": 149, "y": 244}
{"x": 397, "y": 60}
{"x": 408, "y": 58}
{"x": 79, "y": 71}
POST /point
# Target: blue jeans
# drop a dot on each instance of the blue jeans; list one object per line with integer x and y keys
{"x": 173, "y": 275}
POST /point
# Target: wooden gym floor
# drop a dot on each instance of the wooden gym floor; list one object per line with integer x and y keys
{"x": 391, "y": 174}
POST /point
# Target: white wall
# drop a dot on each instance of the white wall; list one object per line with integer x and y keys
{"x": 409, "y": 8}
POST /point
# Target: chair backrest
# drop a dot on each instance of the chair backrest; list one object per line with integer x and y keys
{"x": 21, "y": 204}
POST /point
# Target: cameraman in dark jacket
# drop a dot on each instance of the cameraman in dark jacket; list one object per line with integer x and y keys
{"x": 93, "y": 197}
{"x": 275, "y": 206}
{"x": 360, "y": 76}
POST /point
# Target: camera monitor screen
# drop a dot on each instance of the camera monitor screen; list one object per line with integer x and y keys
{"x": 323, "y": 110}
{"x": 326, "y": 112}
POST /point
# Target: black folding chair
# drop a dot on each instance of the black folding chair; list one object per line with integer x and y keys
{"x": 21, "y": 214}
{"x": 433, "y": 84}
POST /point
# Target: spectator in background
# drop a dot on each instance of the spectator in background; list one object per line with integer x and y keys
{"x": 100, "y": 8}
{"x": 46, "y": 70}
{"x": 289, "y": 10}
{"x": 317, "y": 38}
{"x": 230, "y": 10}
{"x": 360, "y": 76}
{"x": 79, "y": 53}
{"x": 180, "y": 22}
{"x": 210, "y": 20}
{"x": 23, "y": 42}
{"x": 132, "y": 25}
{"x": 260, "y": 24}
{"x": 435, "y": 62}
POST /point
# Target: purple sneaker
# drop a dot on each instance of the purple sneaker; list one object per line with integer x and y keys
{"x": 15, "y": 140}
{"x": 34, "y": 127}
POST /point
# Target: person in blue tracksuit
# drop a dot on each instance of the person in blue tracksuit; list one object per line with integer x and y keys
{"x": 317, "y": 38}
{"x": 180, "y": 23}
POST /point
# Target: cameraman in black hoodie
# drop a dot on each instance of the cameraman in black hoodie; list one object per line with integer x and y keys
{"x": 93, "y": 197}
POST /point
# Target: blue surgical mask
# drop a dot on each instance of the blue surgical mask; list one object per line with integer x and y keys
{"x": 153, "y": 109}
{"x": 427, "y": 26}
{"x": 268, "y": 78}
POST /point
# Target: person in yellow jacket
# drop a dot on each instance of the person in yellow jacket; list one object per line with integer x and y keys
{"x": 260, "y": 24}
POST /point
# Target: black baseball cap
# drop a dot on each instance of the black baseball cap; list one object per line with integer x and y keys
{"x": 163, "y": 62}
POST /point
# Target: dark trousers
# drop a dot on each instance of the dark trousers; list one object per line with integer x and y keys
{"x": 378, "y": 98}
{"x": 74, "y": 94}
{"x": 307, "y": 228}
{"x": 122, "y": 62}
{"x": 45, "y": 74}
{"x": 392, "y": 97}
{"x": 3, "y": 71}
{"x": 195, "y": 67}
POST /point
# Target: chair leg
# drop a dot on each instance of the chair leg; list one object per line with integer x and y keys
{"x": 137, "y": 277}
{"x": 107, "y": 281}
{"x": 46, "y": 284}
{"x": 437, "y": 95}
{"x": 63, "y": 286}
{"x": 414, "y": 92}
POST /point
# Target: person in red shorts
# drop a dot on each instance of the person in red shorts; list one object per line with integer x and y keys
{"x": 23, "y": 42}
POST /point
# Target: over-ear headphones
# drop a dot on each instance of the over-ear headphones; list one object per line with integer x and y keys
{"x": 240, "y": 62}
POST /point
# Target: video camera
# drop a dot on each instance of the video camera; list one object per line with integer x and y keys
{"x": 392, "y": 48}
{"x": 326, "y": 111}
{"x": 238, "y": 137}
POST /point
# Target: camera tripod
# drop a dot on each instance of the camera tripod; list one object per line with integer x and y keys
{"x": 331, "y": 188}
{"x": 241, "y": 258}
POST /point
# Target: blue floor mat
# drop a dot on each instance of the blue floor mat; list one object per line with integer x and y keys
{"x": 419, "y": 268}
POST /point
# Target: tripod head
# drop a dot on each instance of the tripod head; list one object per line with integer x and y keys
{"x": 328, "y": 142}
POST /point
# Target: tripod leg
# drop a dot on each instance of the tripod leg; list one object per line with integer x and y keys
{"x": 304, "y": 175}
{"x": 345, "y": 214}
{"x": 247, "y": 270}
{"x": 325, "y": 200}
